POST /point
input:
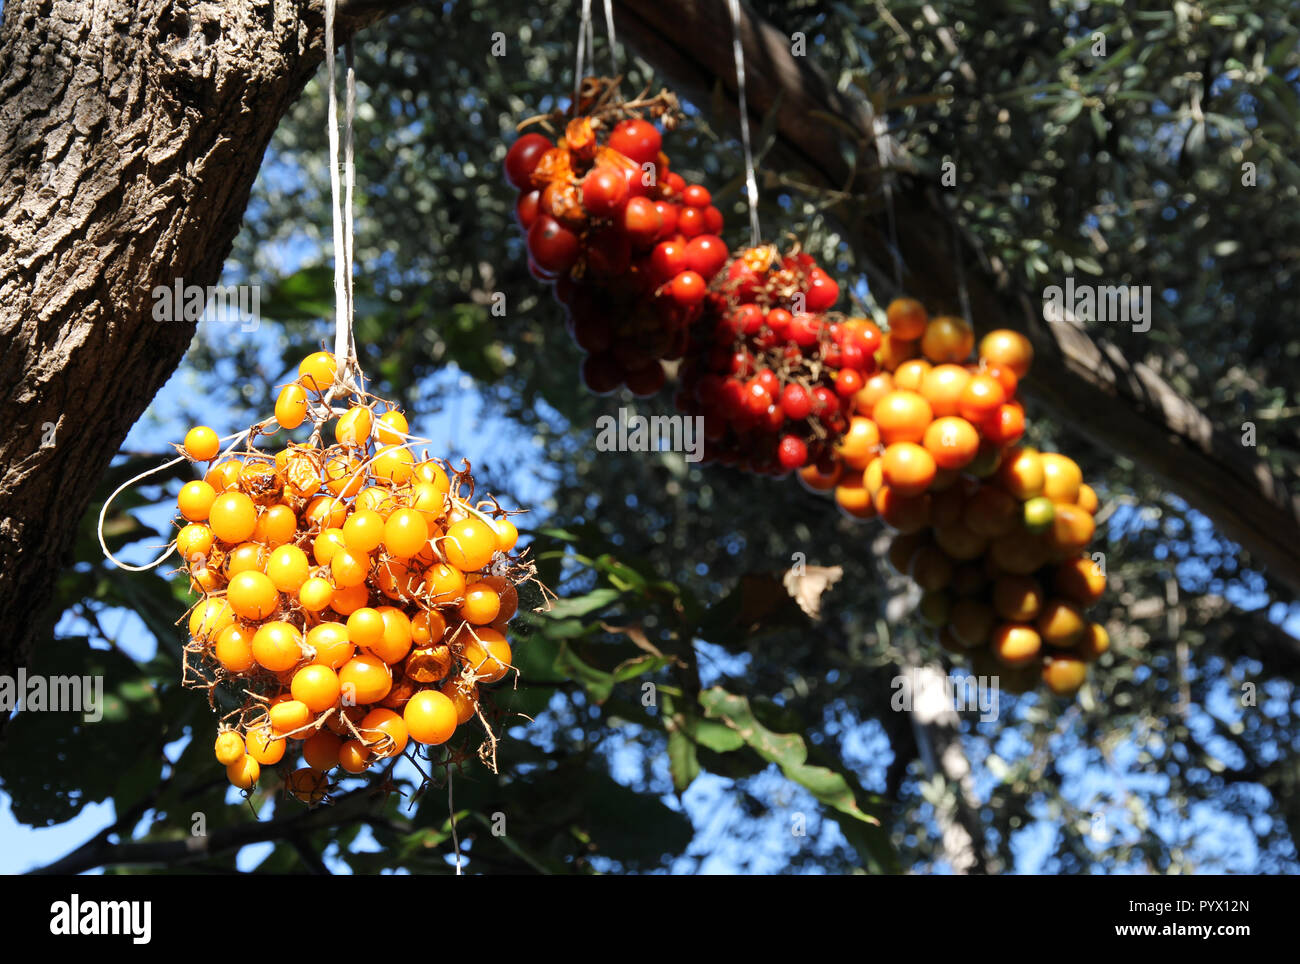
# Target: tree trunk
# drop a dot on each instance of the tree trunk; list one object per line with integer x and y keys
{"x": 130, "y": 136}
{"x": 1122, "y": 405}
{"x": 938, "y": 739}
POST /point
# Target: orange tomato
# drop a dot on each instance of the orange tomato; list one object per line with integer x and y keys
{"x": 991, "y": 512}
{"x": 1006, "y": 426}
{"x": 1018, "y": 552}
{"x": 1079, "y": 580}
{"x": 903, "y": 548}
{"x": 907, "y": 468}
{"x": 329, "y": 641}
{"x": 907, "y": 318}
{"x": 1017, "y": 599}
{"x": 982, "y": 397}
{"x": 486, "y": 652}
{"x": 384, "y": 732}
{"x": 961, "y": 542}
{"x": 430, "y": 717}
{"x": 277, "y": 646}
{"x": 873, "y": 390}
{"x": 942, "y": 387}
{"x": 971, "y": 621}
{"x": 952, "y": 441}
{"x": 1007, "y": 349}
{"x": 1088, "y": 501}
{"x": 315, "y": 686}
{"x": 316, "y": 372}
{"x": 396, "y": 637}
{"x": 320, "y": 751}
{"x": 1060, "y": 623}
{"x": 854, "y": 499}
{"x": 894, "y": 351}
{"x": 347, "y": 600}
{"x": 968, "y": 579}
{"x": 934, "y": 608}
{"x": 911, "y": 373}
{"x": 1061, "y": 477}
{"x": 902, "y": 513}
{"x": 947, "y": 506}
{"x": 1064, "y": 674}
{"x": 1016, "y": 644}
{"x": 947, "y": 339}
{"x": 365, "y": 679}
{"x": 1094, "y": 642}
{"x": 858, "y": 446}
{"x": 1072, "y": 528}
{"x": 1004, "y": 377}
{"x": 812, "y": 478}
{"x": 902, "y": 416}
{"x": 930, "y": 568}
{"x": 1021, "y": 472}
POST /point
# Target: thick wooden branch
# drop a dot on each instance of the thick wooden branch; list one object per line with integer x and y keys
{"x": 130, "y": 137}
{"x": 1119, "y": 403}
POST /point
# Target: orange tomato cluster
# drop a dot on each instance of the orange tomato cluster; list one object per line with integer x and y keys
{"x": 351, "y": 593}
{"x": 993, "y": 532}
{"x": 628, "y": 244}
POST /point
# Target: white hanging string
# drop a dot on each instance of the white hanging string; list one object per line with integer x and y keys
{"x": 584, "y": 32}
{"x": 349, "y": 172}
{"x": 455, "y": 837}
{"x": 341, "y": 214}
{"x": 103, "y": 509}
{"x": 609, "y": 29}
{"x": 591, "y": 42}
{"x": 962, "y": 292}
{"x": 751, "y": 182}
{"x": 880, "y": 131}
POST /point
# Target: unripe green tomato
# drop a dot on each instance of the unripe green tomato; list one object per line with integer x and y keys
{"x": 1039, "y": 513}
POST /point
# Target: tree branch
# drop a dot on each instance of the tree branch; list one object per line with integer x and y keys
{"x": 99, "y": 853}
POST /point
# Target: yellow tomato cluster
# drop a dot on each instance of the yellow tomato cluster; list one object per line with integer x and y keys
{"x": 357, "y": 599}
{"x": 993, "y": 532}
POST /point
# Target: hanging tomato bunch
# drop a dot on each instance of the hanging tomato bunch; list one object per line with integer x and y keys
{"x": 354, "y": 597}
{"x": 773, "y": 376}
{"x": 994, "y": 533}
{"x": 629, "y": 246}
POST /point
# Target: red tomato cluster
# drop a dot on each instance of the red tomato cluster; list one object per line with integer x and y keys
{"x": 773, "y": 376}
{"x": 628, "y": 244}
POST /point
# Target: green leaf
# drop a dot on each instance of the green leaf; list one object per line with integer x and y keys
{"x": 583, "y": 605}
{"x": 596, "y": 682}
{"x": 624, "y": 577}
{"x": 683, "y": 764}
{"x": 790, "y": 753}
{"x": 638, "y": 666}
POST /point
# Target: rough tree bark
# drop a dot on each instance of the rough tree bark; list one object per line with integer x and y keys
{"x": 1120, "y": 404}
{"x": 130, "y": 136}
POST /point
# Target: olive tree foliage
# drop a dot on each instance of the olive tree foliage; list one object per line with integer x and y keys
{"x": 1120, "y": 161}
